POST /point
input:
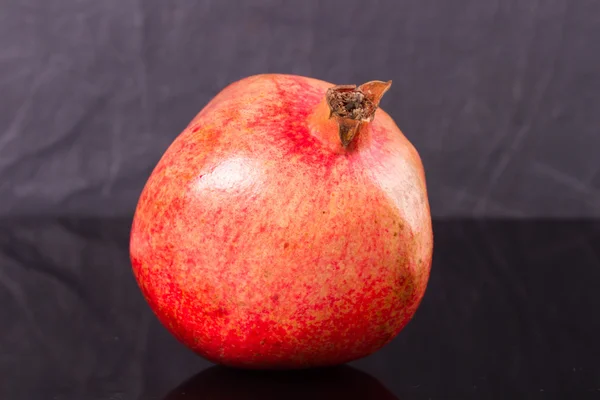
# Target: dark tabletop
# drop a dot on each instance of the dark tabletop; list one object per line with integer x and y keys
{"x": 512, "y": 307}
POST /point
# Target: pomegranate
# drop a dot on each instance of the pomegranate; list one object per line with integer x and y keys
{"x": 287, "y": 226}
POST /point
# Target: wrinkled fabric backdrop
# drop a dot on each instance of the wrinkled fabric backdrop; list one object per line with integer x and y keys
{"x": 501, "y": 98}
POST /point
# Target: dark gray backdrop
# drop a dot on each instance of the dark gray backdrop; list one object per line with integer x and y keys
{"x": 499, "y": 96}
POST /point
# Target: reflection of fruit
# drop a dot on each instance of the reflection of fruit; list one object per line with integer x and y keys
{"x": 288, "y": 226}
{"x": 220, "y": 383}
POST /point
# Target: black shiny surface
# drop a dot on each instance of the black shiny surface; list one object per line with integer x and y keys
{"x": 511, "y": 307}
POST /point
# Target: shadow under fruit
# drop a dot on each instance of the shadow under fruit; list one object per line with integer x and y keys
{"x": 221, "y": 383}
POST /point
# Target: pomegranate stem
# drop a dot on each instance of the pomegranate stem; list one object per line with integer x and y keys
{"x": 353, "y": 106}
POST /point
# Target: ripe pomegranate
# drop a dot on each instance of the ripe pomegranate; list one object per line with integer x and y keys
{"x": 287, "y": 226}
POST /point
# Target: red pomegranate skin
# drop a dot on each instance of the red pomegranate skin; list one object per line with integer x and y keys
{"x": 260, "y": 241}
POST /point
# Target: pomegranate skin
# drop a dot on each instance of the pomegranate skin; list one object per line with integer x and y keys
{"x": 260, "y": 241}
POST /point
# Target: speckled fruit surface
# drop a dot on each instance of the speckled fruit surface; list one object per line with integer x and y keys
{"x": 260, "y": 241}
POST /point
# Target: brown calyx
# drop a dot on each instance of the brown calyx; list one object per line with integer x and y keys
{"x": 354, "y": 106}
